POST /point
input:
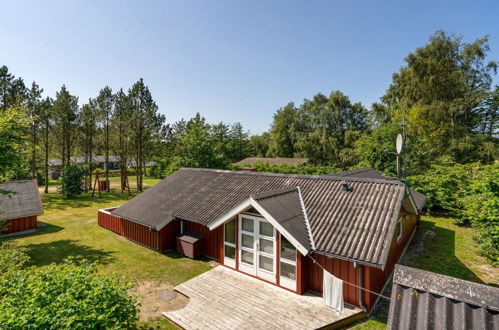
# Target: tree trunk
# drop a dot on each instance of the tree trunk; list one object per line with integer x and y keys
{"x": 46, "y": 159}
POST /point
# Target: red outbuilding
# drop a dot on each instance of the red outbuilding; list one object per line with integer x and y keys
{"x": 20, "y": 205}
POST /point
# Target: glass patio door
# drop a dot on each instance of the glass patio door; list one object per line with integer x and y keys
{"x": 257, "y": 247}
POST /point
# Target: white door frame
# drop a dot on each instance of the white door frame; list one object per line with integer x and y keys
{"x": 255, "y": 269}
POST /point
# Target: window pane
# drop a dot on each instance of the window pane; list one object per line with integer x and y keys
{"x": 247, "y": 241}
{"x": 247, "y": 224}
{"x": 288, "y": 271}
{"x": 266, "y": 246}
{"x": 267, "y": 263}
{"x": 266, "y": 229}
{"x": 230, "y": 231}
{"x": 230, "y": 252}
{"x": 247, "y": 257}
{"x": 288, "y": 251}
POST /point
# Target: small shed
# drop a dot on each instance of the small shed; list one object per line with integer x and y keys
{"x": 190, "y": 245}
{"x": 20, "y": 205}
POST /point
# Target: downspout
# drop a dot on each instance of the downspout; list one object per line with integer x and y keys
{"x": 361, "y": 293}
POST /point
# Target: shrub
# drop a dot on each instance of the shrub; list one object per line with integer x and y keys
{"x": 65, "y": 297}
{"x": 12, "y": 257}
{"x": 292, "y": 169}
{"x": 72, "y": 181}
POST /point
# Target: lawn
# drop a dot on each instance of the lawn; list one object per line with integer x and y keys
{"x": 72, "y": 231}
{"x": 440, "y": 246}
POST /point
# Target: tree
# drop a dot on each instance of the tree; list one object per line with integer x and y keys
{"x": 147, "y": 126}
{"x": 45, "y": 118}
{"x": 121, "y": 126}
{"x": 105, "y": 105}
{"x": 66, "y": 122}
{"x": 88, "y": 117}
{"x": 238, "y": 143}
{"x": 5, "y": 86}
{"x": 283, "y": 131}
{"x": 259, "y": 144}
{"x": 13, "y": 129}
{"x": 71, "y": 181}
{"x": 439, "y": 92}
{"x": 34, "y": 105}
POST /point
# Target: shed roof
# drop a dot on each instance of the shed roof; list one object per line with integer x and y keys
{"x": 20, "y": 200}
{"x": 425, "y": 300}
{"x": 271, "y": 161}
{"x": 357, "y": 224}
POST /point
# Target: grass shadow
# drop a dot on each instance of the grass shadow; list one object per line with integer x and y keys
{"x": 57, "y": 251}
{"x": 433, "y": 249}
{"x": 55, "y": 201}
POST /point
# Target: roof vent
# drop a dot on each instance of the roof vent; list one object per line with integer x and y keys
{"x": 344, "y": 186}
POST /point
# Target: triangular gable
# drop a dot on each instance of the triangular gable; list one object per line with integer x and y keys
{"x": 284, "y": 210}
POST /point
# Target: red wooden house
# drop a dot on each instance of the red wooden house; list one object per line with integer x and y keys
{"x": 20, "y": 205}
{"x": 281, "y": 228}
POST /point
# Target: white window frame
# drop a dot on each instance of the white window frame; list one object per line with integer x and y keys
{"x": 284, "y": 281}
{"x": 228, "y": 261}
{"x": 401, "y": 228}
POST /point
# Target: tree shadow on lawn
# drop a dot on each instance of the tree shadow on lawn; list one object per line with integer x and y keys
{"x": 433, "y": 249}
{"x": 57, "y": 251}
{"x": 55, "y": 201}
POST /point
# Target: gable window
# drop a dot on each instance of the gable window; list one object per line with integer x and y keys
{"x": 230, "y": 243}
{"x": 399, "y": 228}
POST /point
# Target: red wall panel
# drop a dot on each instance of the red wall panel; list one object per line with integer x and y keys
{"x": 212, "y": 239}
{"x": 21, "y": 224}
{"x": 167, "y": 236}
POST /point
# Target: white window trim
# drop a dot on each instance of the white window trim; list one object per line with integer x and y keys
{"x": 228, "y": 261}
{"x": 401, "y": 230}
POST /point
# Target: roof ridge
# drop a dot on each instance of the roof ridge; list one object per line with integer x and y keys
{"x": 328, "y": 177}
{"x": 274, "y": 192}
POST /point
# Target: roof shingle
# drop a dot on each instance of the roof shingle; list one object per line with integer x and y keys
{"x": 22, "y": 199}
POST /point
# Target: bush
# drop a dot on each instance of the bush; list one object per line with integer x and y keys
{"x": 292, "y": 169}
{"x": 72, "y": 181}
{"x": 65, "y": 297}
{"x": 12, "y": 257}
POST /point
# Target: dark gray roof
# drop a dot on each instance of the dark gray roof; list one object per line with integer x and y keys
{"x": 369, "y": 172}
{"x": 271, "y": 161}
{"x": 284, "y": 205}
{"x": 22, "y": 200}
{"x": 357, "y": 224}
{"x": 425, "y": 300}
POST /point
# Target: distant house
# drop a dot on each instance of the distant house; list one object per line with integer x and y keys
{"x": 20, "y": 205}
{"x": 251, "y": 161}
{"x": 99, "y": 161}
{"x": 425, "y": 300}
{"x": 281, "y": 228}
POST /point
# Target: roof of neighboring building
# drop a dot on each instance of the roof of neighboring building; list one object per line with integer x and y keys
{"x": 98, "y": 159}
{"x": 271, "y": 161}
{"x": 369, "y": 172}
{"x": 19, "y": 199}
{"x": 355, "y": 224}
{"x": 285, "y": 206}
{"x": 425, "y": 300}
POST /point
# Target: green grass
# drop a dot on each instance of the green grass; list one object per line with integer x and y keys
{"x": 440, "y": 246}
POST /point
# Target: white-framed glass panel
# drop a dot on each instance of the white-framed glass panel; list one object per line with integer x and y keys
{"x": 399, "y": 228}
{"x": 266, "y": 229}
{"x": 247, "y": 224}
{"x": 247, "y": 241}
{"x": 267, "y": 246}
{"x": 287, "y": 264}
{"x": 247, "y": 257}
{"x": 230, "y": 243}
{"x": 266, "y": 263}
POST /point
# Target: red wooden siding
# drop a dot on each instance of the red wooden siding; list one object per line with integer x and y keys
{"x": 375, "y": 277}
{"x": 131, "y": 230}
{"x": 212, "y": 239}
{"x": 167, "y": 236}
{"x": 21, "y": 224}
{"x": 342, "y": 269}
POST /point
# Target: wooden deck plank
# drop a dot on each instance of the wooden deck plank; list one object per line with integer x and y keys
{"x": 225, "y": 299}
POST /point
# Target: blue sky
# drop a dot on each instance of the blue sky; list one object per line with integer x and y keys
{"x": 229, "y": 60}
